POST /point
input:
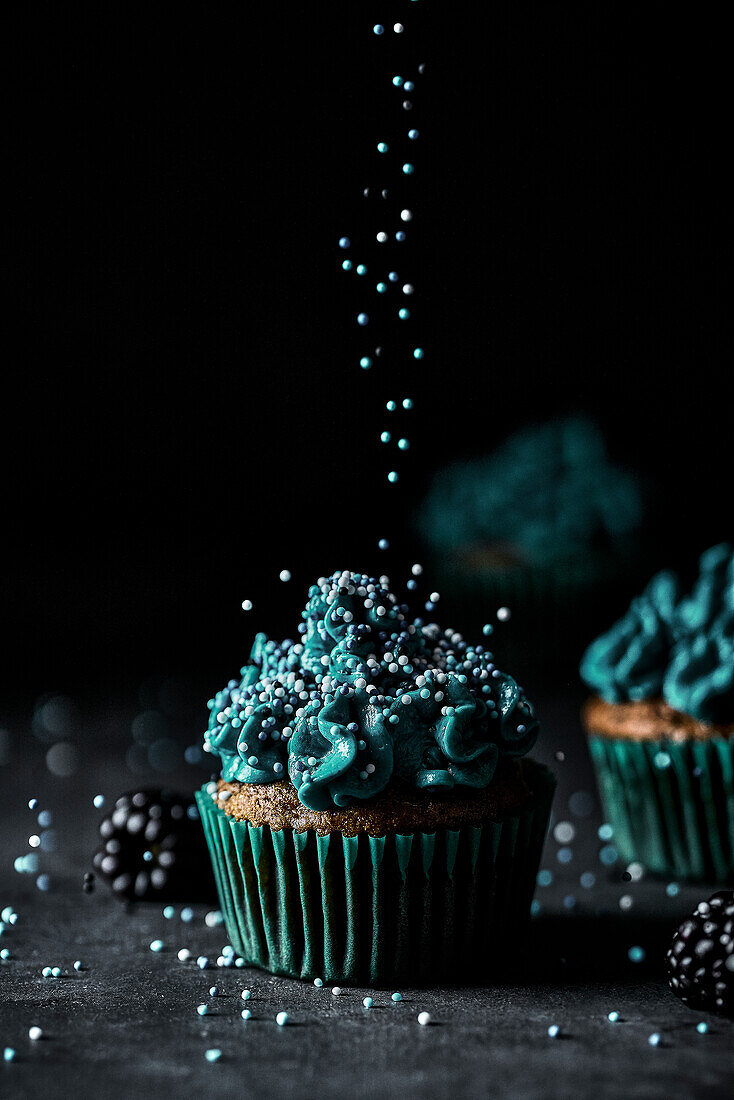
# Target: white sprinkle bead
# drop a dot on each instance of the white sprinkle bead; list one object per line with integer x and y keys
{"x": 246, "y": 995}
{"x": 336, "y": 991}
{"x": 367, "y": 1002}
{"x": 247, "y": 605}
{"x": 285, "y": 574}
{"x": 35, "y": 1033}
{"x": 318, "y": 982}
{"x": 282, "y": 1019}
{"x": 78, "y": 965}
{"x": 184, "y": 955}
{"x": 554, "y": 1031}
{"x": 503, "y": 614}
{"x": 424, "y": 1018}
{"x": 214, "y": 991}
{"x": 655, "y": 1040}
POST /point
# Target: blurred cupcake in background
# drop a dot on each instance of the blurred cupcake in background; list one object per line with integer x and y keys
{"x": 543, "y": 520}
{"x": 661, "y": 723}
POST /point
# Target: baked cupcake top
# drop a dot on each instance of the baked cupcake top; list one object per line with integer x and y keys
{"x": 673, "y": 646}
{"x": 366, "y": 695}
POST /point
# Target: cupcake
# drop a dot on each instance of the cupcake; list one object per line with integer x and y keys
{"x": 543, "y": 523}
{"x": 661, "y": 724}
{"x": 376, "y": 817}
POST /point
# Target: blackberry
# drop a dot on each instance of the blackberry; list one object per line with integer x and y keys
{"x": 153, "y": 848}
{"x": 701, "y": 956}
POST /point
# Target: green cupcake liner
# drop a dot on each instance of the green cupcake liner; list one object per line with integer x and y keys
{"x": 670, "y": 803}
{"x": 428, "y": 906}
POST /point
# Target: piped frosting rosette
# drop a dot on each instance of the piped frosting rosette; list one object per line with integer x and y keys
{"x": 368, "y": 696}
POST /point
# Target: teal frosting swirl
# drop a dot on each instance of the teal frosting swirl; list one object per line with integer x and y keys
{"x": 368, "y": 695}
{"x": 673, "y": 646}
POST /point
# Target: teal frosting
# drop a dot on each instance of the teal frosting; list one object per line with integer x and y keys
{"x": 550, "y": 492}
{"x": 674, "y": 646}
{"x": 367, "y": 695}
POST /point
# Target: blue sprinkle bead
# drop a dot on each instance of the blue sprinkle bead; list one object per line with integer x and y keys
{"x": 418, "y": 353}
{"x": 282, "y": 1019}
{"x": 368, "y": 1002}
{"x": 202, "y": 962}
{"x": 365, "y": 362}
{"x": 397, "y": 997}
{"x": 397, "y": 81}
{"x": 385, "y": 437}
{"x": 246, "y": 1014}
{"x": 346, "y": 265}
{"x": 412, "y": 134}
{"x": 156, "y": 945}
{"x": 381, "y": 288}
{"x": 378, "y": 28}
{"x": 605, "y": 832}
{"x": 318, "y": 982}
{"x": 408, "y": 169}
{"x": 361, "y": 269}
{"x": 636, "y": 954}
{"x": 78, "y": 965}
{"x": 407, "y": 403}
{"x": 655, "y": 1040}
{"x": 46, "y": 972}
{"x": 213, "y": 1055}
{"x": 383, "y": 544}
{"x": 390, "y": 406}
{"x": 344, "y": 242}
{"x": 403, "y": 444}
{"x": 392, "y": 477}
{"x": 56, "y": 972}
{"x": 214, "y": 991}
{"x": 403, "y": 314}
{"x": 382, "y": 147}
{"x": 187, "y": 914}
{"x": 702, "y": 1028}
{"x": 362, "y": 318}
{"x": 203, "y": 1010}
{"x": 246, "y": 995}
{"x": 400, "y": 235}
{"x": 8, "y": 1054}
{"x": 169, "y": 912}
{"x": 613, "y": 1017}
{"x": 554, "y": 1031}
{"x": 672, "y": 889}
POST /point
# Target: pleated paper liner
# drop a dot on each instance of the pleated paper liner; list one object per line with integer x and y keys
{"x": 671, "y": 804}
{"x": 372, "y": 910}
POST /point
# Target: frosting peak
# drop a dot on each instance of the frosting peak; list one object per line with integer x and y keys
{"x": 680, "y": 648}
{"x": 368, "y": 695}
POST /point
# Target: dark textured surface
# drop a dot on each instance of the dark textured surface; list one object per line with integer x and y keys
{"x": 127, "y": 1024}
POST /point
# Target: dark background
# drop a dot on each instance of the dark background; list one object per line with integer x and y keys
{"x": 183, "y": 415}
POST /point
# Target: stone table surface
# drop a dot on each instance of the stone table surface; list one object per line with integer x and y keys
{"x": 126, "y": 1024}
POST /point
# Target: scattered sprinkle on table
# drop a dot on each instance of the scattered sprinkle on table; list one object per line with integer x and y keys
{"x": 336, "y": 991}
{"x": 246, "y": 994}
{"x": 35, "y": 1033}
{"x": 213, "y": 1055}
{"x": 554, "y": 1031}
{"x": 613, "y": 1017}
{"x": 184, "y": 955}
{"x": 397, "y": 996}
{"x": 78, "y": 965}
{"x": 8, "y": 1054}
{"x": 282, "y": 1019}
{"x": 424, "y": 1018}
{"x": 214, "y": 991}
{"x": 655, "y": 1040}
{"x": 203, "y": 1010}
{"x": 318, "y": 982}
{"x": 636, "y": 954}
{"x": 156, "y": 945}
{"x": 246, "y": 1014}
{"x": 368, "y": 1002}
{"x": 702, "y": 1028}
